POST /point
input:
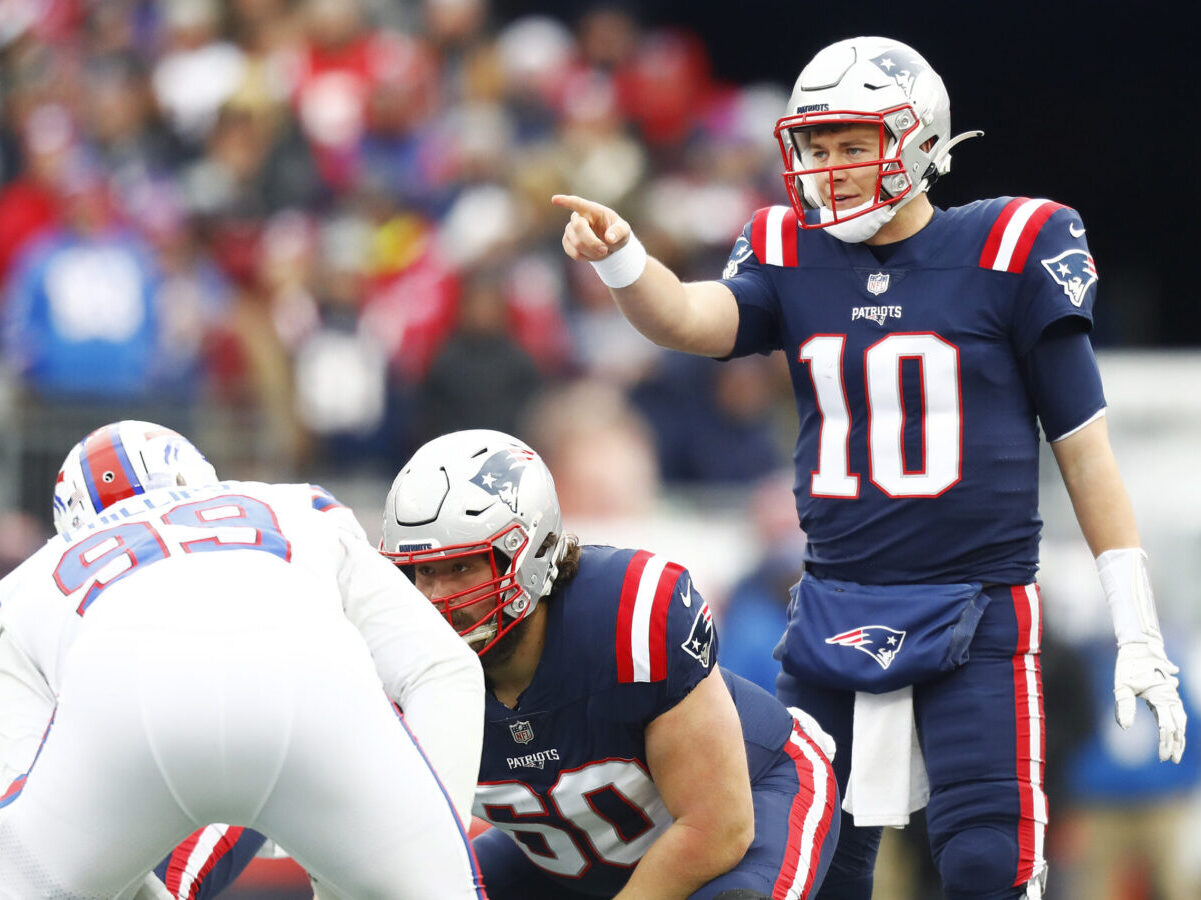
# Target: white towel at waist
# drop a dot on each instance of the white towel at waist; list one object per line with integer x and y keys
{"x": 888, "y": 773}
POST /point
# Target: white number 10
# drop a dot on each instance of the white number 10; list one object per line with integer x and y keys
{"x": 942, "y": 416}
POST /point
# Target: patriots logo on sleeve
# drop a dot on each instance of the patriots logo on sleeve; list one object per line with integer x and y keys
{"x": 500, "y": 475}
{"x": 879, "y": 642}
{"x": 741, "y": 252}
{"x": 699, "y": 644}
{"x": 1074, "y": 271}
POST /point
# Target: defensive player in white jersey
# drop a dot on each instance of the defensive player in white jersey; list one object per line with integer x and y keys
{"x": 227, "y": 652}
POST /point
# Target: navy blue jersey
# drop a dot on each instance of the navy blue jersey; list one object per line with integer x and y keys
{"x": 917, "y": 454}
{"x": 565, "y": 773}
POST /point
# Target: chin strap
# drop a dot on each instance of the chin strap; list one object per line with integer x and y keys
{"x": 860, "y": 227}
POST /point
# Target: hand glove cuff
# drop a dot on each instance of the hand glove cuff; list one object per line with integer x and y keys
{"x": 1127, "y": 587}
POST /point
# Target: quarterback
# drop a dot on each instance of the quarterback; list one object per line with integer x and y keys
{"x": 926, "y": 348}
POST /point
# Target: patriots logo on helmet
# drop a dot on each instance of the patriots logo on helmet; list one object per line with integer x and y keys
{"x": 501, "y": 474}
{"x": 1074, "y": 271}
{"x": 879, "y": 642}
{"x": 901, "y": 66}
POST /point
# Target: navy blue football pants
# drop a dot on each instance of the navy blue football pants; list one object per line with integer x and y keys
{"x": 981, "y": 731}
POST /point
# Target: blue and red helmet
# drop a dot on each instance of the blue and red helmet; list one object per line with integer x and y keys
{"x": 120, "y": 460}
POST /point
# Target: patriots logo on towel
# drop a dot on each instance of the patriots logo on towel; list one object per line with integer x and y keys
{"x": 1074, "y": 271}
{"x": 501, "y": 474}
{"x": 879, "y": 642}
{"x": 700, "y": 639}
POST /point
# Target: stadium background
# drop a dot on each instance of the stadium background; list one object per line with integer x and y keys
{"x": 327, "y": 256}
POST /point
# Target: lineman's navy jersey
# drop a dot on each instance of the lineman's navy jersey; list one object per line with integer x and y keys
{"x": 917, "y": 456}
{"x": 565, "y": 773}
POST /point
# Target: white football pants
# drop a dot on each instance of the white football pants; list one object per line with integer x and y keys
{"x": 247, "y": 699}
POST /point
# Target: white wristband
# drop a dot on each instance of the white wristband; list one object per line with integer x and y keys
{"x": 1127, "y": 589}
{"x": 623, "y": 267}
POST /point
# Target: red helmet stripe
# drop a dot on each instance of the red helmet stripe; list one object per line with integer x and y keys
{"x": 107, "y": 470}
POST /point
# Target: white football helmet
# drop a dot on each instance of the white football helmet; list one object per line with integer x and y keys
{"x": 472, "y": 492}
{"x": 120, "y": 460}
{"x": 874, "y": 81}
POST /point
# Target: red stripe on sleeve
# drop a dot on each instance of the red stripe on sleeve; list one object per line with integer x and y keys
{"x": 788, "y": 238}
{"x": 759, "y": 234}
{"x": 625, "y": 616}
{"x": 222, "y": 847}
{"x": 658, "y": 633}
{"x": 1030, "y": 234}
{"x": 989, "y": 255}
{"x": 179, "y": 862}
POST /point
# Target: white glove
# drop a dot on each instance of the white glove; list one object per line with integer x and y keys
{"x": 1144, "y": 670}
{"x": 819, "y": 736}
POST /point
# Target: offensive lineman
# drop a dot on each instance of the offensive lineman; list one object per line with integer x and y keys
{"x": 616, "y": 753}
{"x": 925, "y": 346}
{"x": 227, "y": 652}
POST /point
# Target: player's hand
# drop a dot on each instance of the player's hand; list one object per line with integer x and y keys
{"x": 594, "y": 231}
{"x": 1144, "y": 670}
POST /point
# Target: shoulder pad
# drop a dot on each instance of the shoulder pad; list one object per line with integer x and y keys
{"x": 774, "y": 236}
{"x": 646, "y": 592}
{"x": 1013, "y": 233}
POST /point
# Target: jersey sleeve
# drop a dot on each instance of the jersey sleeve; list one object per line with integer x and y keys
{"x": 746, "y": 275}
{"x": 666, "y": 642}
{"x": 1043, "y": 243}
{"x": 425, "y": 667}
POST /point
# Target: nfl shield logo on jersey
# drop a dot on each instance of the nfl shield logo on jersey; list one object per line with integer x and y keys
{"x": 877, "y": 284}
{"x": 522, "y": 732}
{"x": 879, "y": 642}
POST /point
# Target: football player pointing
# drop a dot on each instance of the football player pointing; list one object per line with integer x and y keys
{"x": 926, "y": 346}
{"x": 616, "y": 754}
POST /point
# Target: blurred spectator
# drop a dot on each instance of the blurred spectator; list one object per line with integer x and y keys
{"x": 481, "y": 377}
{"x": 754, "y": 614}
{"x": 342, "y": 390}
{"x": 32, "y": 202}
{"x": 599, "y": 450}
{"x": 81, "y": 318}
{"x": 1125, "y": 831}
{"x": 714, "y": 423}
{"x": 20, "y": 536}
{"x": 198, "y": 71}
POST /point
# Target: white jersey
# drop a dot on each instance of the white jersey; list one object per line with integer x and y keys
{"x": 256, "y": 585}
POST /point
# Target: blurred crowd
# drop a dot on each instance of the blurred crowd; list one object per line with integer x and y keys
{"x": 333, "y": 218}
{"x": 335, "y": 215}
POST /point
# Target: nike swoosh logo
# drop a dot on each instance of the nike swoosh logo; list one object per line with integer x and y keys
{"x": 686, "y": 596}
{"x": 1072, "y": 230}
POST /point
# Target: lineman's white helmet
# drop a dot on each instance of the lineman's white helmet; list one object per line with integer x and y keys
{"x": 473, "y": 492}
